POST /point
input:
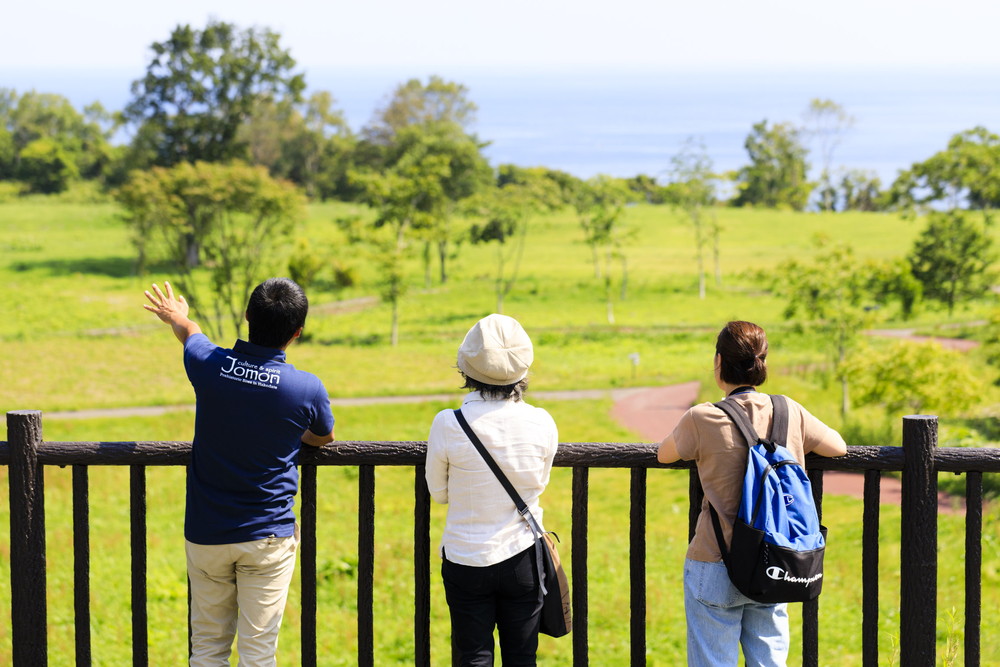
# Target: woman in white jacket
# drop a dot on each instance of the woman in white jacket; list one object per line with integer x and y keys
{"x": 487, "y": 550}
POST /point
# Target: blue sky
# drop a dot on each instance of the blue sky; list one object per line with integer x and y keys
{"x": 741, "y": 61}
{"x": 522, "y": 34}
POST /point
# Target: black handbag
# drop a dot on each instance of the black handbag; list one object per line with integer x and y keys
{"x": 553, "y": 593}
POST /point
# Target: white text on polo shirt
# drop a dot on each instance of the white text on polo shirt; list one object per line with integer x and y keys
{"x": 244, "y": 371}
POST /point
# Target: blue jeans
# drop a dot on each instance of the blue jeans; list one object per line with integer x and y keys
{"x": 719, "y": 618}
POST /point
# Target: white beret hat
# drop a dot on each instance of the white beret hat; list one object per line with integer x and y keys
{"x": 496, "y": 351}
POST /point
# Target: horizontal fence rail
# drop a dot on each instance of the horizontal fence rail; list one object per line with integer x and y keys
{"x": 919, "y": 460}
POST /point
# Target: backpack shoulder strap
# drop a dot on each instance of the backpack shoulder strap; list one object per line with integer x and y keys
{"x": 736, "y": 413}
{"x": 779, "y": 420}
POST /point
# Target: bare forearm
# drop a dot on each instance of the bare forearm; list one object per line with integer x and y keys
{"x": 184, "y": 329}
{"x": 315, "y": 440}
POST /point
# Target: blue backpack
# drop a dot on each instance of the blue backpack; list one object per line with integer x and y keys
{"x": 776, "y": 553}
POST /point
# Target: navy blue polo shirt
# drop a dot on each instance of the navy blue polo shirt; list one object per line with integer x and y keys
{"x": 252, "y": 409}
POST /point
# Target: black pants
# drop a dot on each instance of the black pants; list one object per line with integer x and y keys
{"x": 504, "y": 596}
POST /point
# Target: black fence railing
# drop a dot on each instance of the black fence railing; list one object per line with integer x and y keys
{"x": 919, "y": 460}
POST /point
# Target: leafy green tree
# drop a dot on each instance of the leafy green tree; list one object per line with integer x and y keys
{"x": 913, "y": 378}
{"x": 776, "y": 175}
{"x": 468, "y": 172}
{"x": 8, "y": 153}
{"x": 431, "y": 119}
{"x": 244, "y": 220}
{"x": 75, "y": 144}
{"x": 600, "y": 206}
{"x": 406, "y": 198}
{"x": 45, "y": 167}
{"x": 692, "y": 189}
{"x": 294, "y": 141}
{"x": 894, "y": 280}
{"x": 201, "y": 87}
{"x": 861, "y": 191}
{"x": 412, "y": 103}
{"x": 647, "y": 189}
{"x": 832, "y": 296}
{"x": 953, "y": 258}
{"x": 506, "y": 211}
{"x": 825, "y": 123}
{"x": 964, "y": 175}
{"x": 568, "y": 186}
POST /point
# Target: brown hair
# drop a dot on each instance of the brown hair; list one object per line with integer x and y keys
{"x": 742, "y": 348}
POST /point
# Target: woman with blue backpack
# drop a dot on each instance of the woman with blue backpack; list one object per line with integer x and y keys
{"x": 757, "y": 542}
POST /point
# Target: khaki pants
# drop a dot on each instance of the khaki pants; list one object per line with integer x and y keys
{"x": 238, "y": 589}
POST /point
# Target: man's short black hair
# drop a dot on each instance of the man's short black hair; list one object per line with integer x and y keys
{"x": 276, "y": 310}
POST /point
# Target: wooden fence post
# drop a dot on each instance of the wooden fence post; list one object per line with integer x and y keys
{"x": 918, "y": 543}
{"x": 27, "y": 540}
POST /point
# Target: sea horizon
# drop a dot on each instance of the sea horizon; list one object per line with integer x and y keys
{"x": 629, "y": 122}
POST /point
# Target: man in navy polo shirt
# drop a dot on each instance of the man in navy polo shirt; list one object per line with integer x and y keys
{"x": 254, "y": 412}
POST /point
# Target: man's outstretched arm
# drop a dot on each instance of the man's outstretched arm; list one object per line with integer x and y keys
{"x": 172, "y": 310}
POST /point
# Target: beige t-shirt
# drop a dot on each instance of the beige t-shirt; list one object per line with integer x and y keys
{"x": 707, "y": 436}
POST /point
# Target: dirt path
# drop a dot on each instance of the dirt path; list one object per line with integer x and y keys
{"x": 653, "y": 413}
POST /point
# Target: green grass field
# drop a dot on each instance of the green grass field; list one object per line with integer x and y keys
{"x": 77, "y": 338}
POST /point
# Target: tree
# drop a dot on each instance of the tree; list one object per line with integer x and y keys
{"x": 833, "y": 295}
{"x": 201, "y": 86}
{"x": 242, "y": 218}
{"x": 912, "y": 378}
{"x": 692, "y": 189}
{"x": 294, "y": 140}
{"x": 45, "y": 167}
{"x": 826, "y": 122}
{"x": 600, "y": 206}
{"x": 964, "y": 175}
{"x": 74, "y": 144}
{"x": 894, "y": 280}
{"x": 432, "y": 119}
{"x": 415, "y": 103}
{"x": 776, "y": 175}
{"x": 647, "y": 189}
{"x": 861, "y": 191}
{"x": 952, "y": 258}
{"x": 467, "y": 173}
{"x": 405, "y": 198}
{"x": 506, "y": 211}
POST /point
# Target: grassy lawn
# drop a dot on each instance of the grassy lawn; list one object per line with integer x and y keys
{"x": 76, "y": 337}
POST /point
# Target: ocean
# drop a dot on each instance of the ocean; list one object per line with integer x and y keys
{"x": 624, "y": 123}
